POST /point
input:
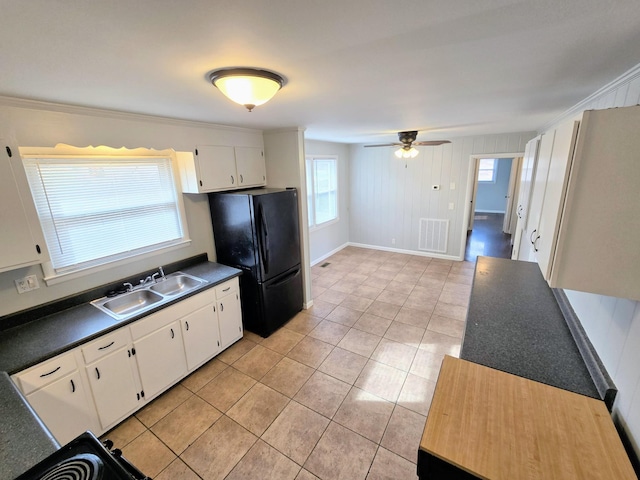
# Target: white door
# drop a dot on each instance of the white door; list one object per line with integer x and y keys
{"x": 511, "y": 214}
{"x": 201, "y": 335}
{"x": 230, "y": 319}
{"x": 216, "y": 167}
{"x": 113, "y": 386}
{"x": 250, "y": 166}
{"x": 161, "y": 359}
{"x": 64, "y": 407}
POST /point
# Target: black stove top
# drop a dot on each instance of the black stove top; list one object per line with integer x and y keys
{"x": 84, "y": 458}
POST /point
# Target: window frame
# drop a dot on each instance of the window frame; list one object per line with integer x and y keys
{"x": 51, "y": 275}
{"x": 493, "y": 169}
{"x": 311, "y": 195}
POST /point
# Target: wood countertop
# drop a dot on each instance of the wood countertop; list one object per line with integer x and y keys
{"x": 495, "y": 425}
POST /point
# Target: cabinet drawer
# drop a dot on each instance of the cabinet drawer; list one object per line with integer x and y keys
{"x": 226, "y": 288}
{"x": 43, "y": 374}
{"x": 105, "y": 345}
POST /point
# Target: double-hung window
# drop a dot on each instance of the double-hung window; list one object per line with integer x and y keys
{"x": 96, "y": 210}
{"x": 487, "y": 170}
{"x": 322, "y": 189}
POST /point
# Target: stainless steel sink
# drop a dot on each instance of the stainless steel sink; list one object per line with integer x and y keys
{"x": 145, "y": 297}
{"x": 176, "y": 283}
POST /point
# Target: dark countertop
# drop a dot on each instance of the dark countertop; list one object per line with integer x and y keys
{"x": 514, "y": 324}
{"x": 23, "y": 438}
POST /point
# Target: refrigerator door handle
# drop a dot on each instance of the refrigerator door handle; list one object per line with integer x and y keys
{"x": 286, "y": 279}
{"x": 264, "y": 243}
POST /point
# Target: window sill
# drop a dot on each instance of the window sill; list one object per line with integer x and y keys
{"x": 323, "y": 225}
{"x": 54, "y": 279}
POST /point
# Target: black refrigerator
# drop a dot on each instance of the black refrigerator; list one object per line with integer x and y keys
{"x": 258, "y": 232}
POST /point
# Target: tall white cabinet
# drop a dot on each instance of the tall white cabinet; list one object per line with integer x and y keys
{"x": 584, "y": 224}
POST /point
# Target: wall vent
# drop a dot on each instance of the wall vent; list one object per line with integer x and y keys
{"x": 434, "y": 234}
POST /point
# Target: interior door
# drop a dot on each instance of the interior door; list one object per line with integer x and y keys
{"x": 276, "y": 216}
{"x": 510, "y": 216}
{"x": 472, "y": 203}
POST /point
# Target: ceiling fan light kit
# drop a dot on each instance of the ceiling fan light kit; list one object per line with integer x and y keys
{"x": 247, "y": 86}
{"x": 407, "y": 140}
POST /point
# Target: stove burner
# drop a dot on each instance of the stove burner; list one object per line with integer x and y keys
{"x": 84, "y": 466}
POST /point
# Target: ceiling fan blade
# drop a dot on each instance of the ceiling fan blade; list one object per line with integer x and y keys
{"x": 385, "y": 145}
{"x": 432, "y": 143}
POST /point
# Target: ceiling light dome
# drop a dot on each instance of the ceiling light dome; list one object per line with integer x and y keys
{"x": 247, "y": 86}
{"x": 406, "y": 152}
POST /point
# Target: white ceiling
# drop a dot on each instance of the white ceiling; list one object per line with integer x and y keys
{"x": 357, "y": 70}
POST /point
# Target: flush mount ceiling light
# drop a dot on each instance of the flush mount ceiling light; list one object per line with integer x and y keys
{"x": 247, "y": 86}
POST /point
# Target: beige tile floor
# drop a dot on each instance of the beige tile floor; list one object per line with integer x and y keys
{"x": 340, "y": 392}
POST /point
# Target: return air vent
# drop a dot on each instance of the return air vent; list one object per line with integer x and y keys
{"x": 434, "y": 234}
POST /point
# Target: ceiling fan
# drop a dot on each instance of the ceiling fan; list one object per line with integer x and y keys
{"x": 407, "y": 140}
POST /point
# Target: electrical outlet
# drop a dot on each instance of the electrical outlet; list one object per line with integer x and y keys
{"x": 451, "y": 206}
{"x": 393, "y": 241}
{"x": 27, "y": 284}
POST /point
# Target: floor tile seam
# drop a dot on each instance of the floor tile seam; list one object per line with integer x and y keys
{"x": 210, "y": 380}
{"x": 387, "y": 426}
{"x": 385, "y": 330}
{"x": 230, "y": 407}
{"x": 389, "y": 365}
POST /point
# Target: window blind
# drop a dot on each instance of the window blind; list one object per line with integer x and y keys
{"x": 95, "y": 210}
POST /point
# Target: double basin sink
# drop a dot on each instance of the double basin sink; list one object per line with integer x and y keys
{"x": 144, "y": 298}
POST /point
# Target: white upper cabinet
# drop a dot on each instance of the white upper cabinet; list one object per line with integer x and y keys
{"x": 216, "y": 168}
{"x": 21, "y": 239}
{"x": 588, "y": 230}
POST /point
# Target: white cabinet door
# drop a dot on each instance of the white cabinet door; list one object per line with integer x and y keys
{"x": 65, "y": 407}
{"x": 200, "y": 335}
{"x": 23, "y": 243}
{"x": 529, "y": 165}
{"x": 216, "y": 168}
{"x": 161, "y": 359}
{"x": 114, "y": 386}
{"x": 539, "y": 186}
{"x": 250, "y": 166}
{"x": 230, "y": 319}
{"x": 556, "y": 187}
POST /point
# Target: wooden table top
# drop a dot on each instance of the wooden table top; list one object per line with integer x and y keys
{"x": 496, "y": 425}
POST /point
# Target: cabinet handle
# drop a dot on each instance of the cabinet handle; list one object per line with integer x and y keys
{"x": 218, "y": 342}
{"x": 531, "y": 236}
{"x": 49, "y": 373}
{"x": 535, "y": 247}
{"x": 98, "y": 373}
{"x": 232, "y": 180}
{"x": 73, "y": 386}
{"x": 187, "y": 325}
{"x": 172, "y": 334}
{"x": 138, "y": 396}
{"x": 214, "y": 309}
{"x": 241, "y": 179}
{"x": 221, "y": 307}
{"x": 38, "y": 249}
{"x": 106, "y": 346}
{"x": 226, "y": 289}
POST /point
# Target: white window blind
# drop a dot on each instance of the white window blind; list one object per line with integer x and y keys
{"x": 322, "y": 190}
{"x": 487, "y": 170}
{"x": 96, "y": 210}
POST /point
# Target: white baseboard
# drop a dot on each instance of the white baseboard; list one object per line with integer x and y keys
{"x": 407, "y": 252}
{"x": 332, "y": 252}
{"x": 307, "y": 305}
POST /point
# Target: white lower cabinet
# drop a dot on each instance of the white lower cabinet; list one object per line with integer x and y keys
{"x": 201, "y": 336}
{"x": 114, "y": 388}
{"x": 230, "y": 319}
{"x": 56, "y": 390}
{"x": 99, "y": 384}
{"x": 161, "y": 359}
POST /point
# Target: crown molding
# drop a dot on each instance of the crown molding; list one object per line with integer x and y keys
{"x": 115, "y": 114}
{"x": 624, "y": 79}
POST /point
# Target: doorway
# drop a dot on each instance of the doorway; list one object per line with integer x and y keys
{"x": 492, "y": 216}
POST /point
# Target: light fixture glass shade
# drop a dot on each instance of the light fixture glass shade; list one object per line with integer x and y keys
{"x": 402, "y": 153}
{"x": 247, "y": 86}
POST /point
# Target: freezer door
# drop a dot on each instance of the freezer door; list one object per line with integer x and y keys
{"x": 277, "y": 232}
{"x": 281, "y": 299}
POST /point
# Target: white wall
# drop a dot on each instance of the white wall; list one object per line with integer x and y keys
{"x": 44, "y": 125}
{"x": 613, "y": 324}
{"x": 387, "y": 200}
{"x": 326, "y": 240}
{"x": 284, "y": 154}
